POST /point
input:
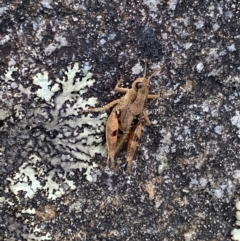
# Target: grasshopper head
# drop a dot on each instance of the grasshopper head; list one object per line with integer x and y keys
{"x": 141, "y": 85}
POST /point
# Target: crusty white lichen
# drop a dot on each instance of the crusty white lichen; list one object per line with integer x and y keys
{"x": 57, "y": 138}
{"x": 32, "y": 176}
{"x": 8, "y": 74}
{"x": 63, "y": 136}
{"x": 236, "y": 232}
{"x": 236, "y": 122}
{"x": 7, "y": 82}
{"x": 45, "y": 91}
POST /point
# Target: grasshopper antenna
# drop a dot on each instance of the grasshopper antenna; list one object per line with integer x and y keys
{"x": 157, "y": 71}
{"x": 145, "y": 69}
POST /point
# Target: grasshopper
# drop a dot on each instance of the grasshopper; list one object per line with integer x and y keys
{"x": 128, "y": 109}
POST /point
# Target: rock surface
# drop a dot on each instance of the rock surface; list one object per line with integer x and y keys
{"x": 59, "y": 57}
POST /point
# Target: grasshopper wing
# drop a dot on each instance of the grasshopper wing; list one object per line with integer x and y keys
{"x": 125, "y": 120}
{"x": 111, "y": 136}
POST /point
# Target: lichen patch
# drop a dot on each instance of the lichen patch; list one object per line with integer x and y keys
{"x": 57, "y": 135}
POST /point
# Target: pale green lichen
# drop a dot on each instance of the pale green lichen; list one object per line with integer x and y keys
{"x": 78, "y": 139}
{"x": 21, "y": 179}
{"x": 45, "y": 92}
{"x": 57, "y": 140}
{"x": 29, "y": 179}
{"x": 8, "y": 74}
{"x": 73, "y": 88}
{"x": 236, "y": 232}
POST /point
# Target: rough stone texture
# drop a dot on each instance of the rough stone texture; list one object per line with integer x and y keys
{"x": 186, "y": 174}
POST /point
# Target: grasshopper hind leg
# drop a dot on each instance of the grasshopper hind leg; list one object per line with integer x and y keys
{"x": 132, "y": 145}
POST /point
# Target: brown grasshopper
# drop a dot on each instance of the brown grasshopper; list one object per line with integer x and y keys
{"x": 127, "y": 109}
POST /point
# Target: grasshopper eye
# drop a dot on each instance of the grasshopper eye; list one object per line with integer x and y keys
{"x": 139, "y": 85}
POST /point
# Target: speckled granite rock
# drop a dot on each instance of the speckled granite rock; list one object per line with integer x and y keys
{"x": 58, "y": 57}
